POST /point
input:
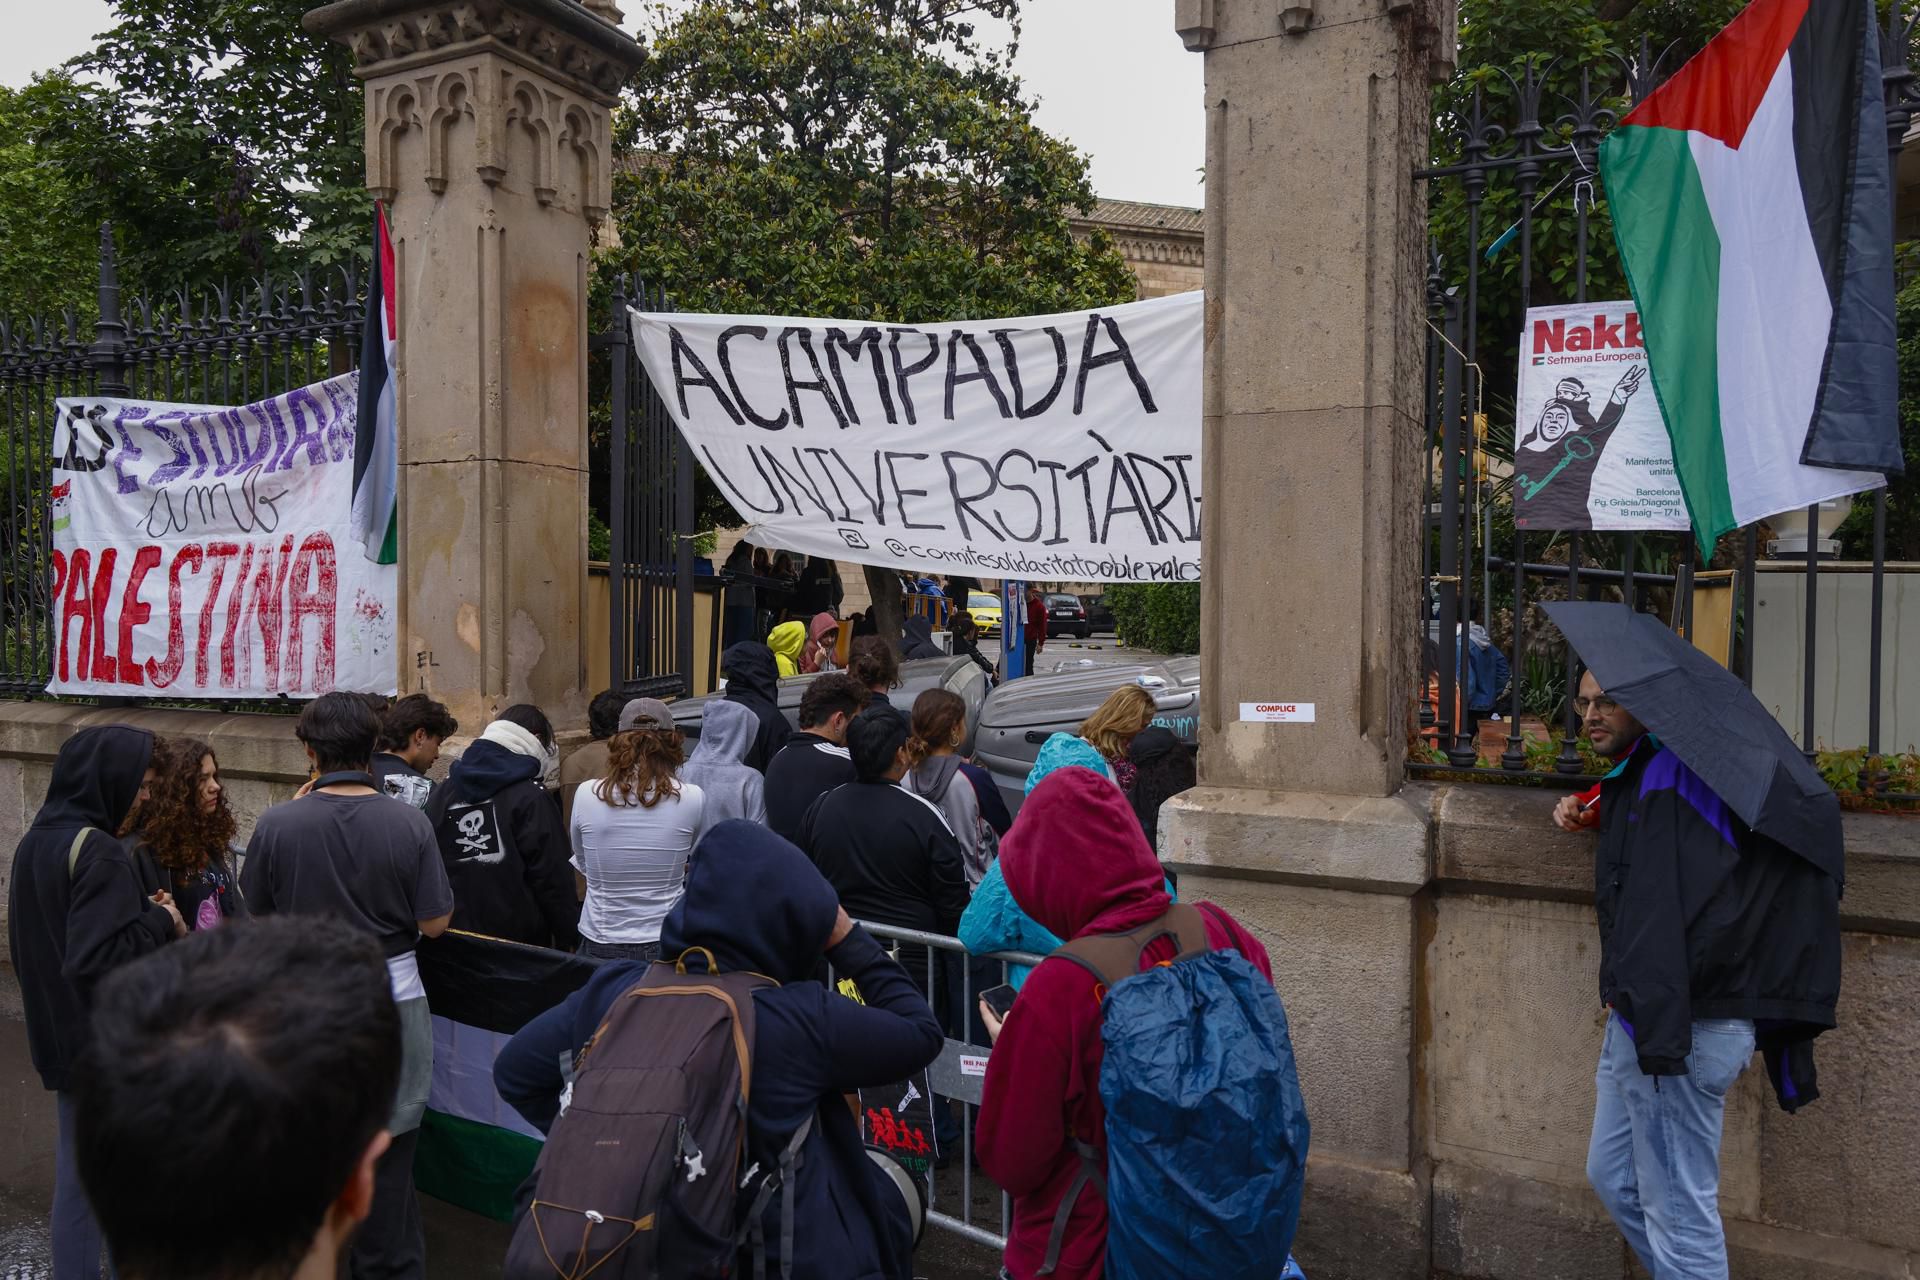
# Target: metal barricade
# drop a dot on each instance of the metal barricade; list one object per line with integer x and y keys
{"x": 959, "y": 1073}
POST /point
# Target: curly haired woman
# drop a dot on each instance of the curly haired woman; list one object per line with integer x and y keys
{"x": 184, "y": 844}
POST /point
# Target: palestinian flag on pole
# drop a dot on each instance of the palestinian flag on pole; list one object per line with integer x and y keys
{"x": 1752, "y": 203}
{"x": 376, "y": 445}
{"x": 475, "y": 1150}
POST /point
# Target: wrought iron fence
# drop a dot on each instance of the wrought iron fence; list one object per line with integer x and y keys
{"x": 650, "y": 515}
{"x": 1515, "y": 171}
{"x": 225, "y": 344}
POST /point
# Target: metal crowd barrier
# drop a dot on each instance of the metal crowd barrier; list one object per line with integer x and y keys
{"x": 959, "y": 1073}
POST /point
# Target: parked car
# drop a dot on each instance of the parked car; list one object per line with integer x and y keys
{"x": 1021, "y": 714}
{"x": 1066, "y": 616}
{"x": 985, "y": 608}
{"x": 1099, "y": 616}
{"x": 961, "y": 675}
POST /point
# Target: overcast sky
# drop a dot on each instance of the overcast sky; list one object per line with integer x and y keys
{"x": 1111, "y": 76}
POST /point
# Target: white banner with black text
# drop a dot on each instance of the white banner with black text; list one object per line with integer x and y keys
{"x": 1062, "y": 447}
{"x": 206, "y": 551}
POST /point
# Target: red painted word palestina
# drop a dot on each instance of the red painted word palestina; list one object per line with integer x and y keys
{"x": 207, "y": 551}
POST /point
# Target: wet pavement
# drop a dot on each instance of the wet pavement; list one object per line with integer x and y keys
{"x": 460, "y": 1245}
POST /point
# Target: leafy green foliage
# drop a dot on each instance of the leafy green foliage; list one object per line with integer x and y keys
{"x": 850, "y": 158}
{"x": 1157, "y": 617}
{"x": 47, "y": 247}
{"x": 226, "y": 141}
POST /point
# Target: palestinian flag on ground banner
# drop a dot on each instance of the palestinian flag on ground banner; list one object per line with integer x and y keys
{"x": 1752, "y": 204}
{"x": 376, "y": 445}
{"x": 475, "y": 1150}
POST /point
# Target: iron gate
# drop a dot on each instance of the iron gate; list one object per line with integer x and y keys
{"x": 1527, "y": 152}
{"x": 650, "y": 518}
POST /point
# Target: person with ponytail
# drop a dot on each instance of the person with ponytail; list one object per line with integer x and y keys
{"x": 631, "y": 832}
{"x": 936, "y": 775}
{"x": 184, "y": 846}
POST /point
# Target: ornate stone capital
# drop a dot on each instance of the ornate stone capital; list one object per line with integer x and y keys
{"x": 573, "y": 42}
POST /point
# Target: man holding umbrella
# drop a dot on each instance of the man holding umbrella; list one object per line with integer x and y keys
{"x": 1717, "y": 878}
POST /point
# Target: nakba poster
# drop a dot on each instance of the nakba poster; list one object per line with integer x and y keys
{"x": 202, "y": 551}
{"x": 1590, "y": 448}
{"x": 1055, "y": 447}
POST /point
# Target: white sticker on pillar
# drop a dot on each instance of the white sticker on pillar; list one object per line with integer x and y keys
{"x": 1276, "y": 712}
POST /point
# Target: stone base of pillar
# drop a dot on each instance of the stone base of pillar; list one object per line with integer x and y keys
{"x": 1363, "y": 1223}
{"x": 1378, "y": 844}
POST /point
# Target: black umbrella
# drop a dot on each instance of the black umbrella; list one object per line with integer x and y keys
{"x": 1703, "y": 714}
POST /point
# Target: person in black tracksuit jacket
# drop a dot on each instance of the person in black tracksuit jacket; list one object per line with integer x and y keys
{"x": 1713, "y": 941}
{"x": 811, "y": 1046}
{"x": 507, "y": 855}
{"x": 75, "y": 912}
{"x": 753, "y": 681}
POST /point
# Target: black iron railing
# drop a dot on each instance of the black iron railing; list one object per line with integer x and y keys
{"x": 225, "y": 344}
{"x": 1515, "y": 166}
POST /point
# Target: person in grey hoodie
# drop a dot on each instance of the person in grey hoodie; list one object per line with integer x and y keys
{"x": 939, "y": 727}
{"x": 718, "y": 765}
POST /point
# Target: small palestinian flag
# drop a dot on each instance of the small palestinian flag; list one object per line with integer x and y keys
{"x": 376, "y": 445}
{"x": 475, "y": 1150}
{"x": 1752, "y": 203}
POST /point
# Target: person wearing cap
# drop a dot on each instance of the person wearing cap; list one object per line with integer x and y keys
{"x": 631, "y": 831}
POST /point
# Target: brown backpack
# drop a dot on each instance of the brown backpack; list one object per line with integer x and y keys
{"x": 641, "y": 1176}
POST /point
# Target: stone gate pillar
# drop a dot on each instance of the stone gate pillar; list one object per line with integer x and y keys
{"x": 1317, "y": 115}
{"x": 488, "y": 136}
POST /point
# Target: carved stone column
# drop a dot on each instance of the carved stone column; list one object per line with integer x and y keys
{"x": 488, "y": 135}
{"x": 1317, "y": 116}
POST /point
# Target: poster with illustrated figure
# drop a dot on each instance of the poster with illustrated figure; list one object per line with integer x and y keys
{"x": 1590, "y": 447}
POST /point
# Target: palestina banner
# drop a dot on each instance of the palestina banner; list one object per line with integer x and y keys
{"x": 203, "y": 551}
{"x": 1590, "y": 447}
{"x": 1055, "y": 447}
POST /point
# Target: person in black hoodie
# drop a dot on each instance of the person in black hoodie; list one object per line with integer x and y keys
{"x": 753, "y": 681}
{"x": 811, "y": 1046}
{"x": 1714, "y": 940}
{"x": 888, "y": 853}
{"x": 919, "y": 640}
{"x": 75, "y": 912}
{"x": 815, "y": 760}
{"x": 500, "y": 836}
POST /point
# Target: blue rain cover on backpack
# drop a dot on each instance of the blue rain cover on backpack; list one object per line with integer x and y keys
{"x": 1206, "y": 1129}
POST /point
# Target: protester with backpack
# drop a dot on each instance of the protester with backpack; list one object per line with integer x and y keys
{"x": 806, "y": 1047}
{"x": 1200, "y": 1153}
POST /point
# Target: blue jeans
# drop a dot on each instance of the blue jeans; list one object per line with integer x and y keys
{"x": 1655, "y": 1154}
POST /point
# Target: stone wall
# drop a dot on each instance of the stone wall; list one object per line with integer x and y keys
{"x": 1445, "y": 1017}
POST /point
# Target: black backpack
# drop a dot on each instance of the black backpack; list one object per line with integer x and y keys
{"x": 641, "y": 1176}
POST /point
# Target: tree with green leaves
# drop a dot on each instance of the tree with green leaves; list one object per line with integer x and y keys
{"x": 221, "y": 140}
{"x": 865, "y": 159}
{"x": 48, "y": 248}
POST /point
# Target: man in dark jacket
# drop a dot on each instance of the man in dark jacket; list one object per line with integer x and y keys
{"x": 810, "y": 1046}
{"x": 506, "y": 854}
{"x": 889, "y": 854}
{"x": 753, "y": 680}
{"x": 815, "y": 760}
{"x": 1712, "y": 940}
{"x": 75, "y": 912}
{"x": 411, "y": 731}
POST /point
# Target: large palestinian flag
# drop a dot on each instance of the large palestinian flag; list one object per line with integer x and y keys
{"x": 475, "y": 1150}
{"x": 1751, "y": 200}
